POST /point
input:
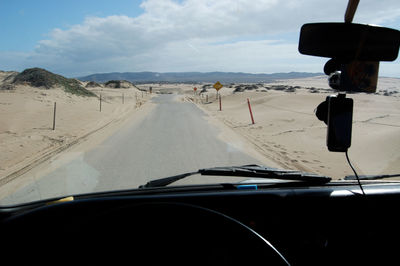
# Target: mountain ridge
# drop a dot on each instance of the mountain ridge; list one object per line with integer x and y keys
{"x": 194, "y": 77}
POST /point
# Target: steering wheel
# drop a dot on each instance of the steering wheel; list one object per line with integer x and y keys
{"x": 143, "y": 233}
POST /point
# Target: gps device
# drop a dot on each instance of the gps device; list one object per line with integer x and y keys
{"x": 339, "y": 121}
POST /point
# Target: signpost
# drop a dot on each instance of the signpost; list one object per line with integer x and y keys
{"x": 218, "y": 86}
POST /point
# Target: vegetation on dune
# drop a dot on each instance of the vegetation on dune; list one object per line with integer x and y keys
{"x": 118, "y": 84}
{"x": 38, "y": 77}
{"x": 92, "y": 84}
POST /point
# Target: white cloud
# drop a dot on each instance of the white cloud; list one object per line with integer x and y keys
{"x": 196, "y": 35}
{"x": 244, "y": 56}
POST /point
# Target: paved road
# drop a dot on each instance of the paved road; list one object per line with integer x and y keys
{"x": 174, "y": 138}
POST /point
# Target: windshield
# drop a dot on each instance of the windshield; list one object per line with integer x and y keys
{"x": 103, "y": 96}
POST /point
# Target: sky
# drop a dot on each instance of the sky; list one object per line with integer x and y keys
{"x": 76, "y": 38}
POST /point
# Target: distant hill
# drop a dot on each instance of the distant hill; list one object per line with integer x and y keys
{"x": 195, "y": 77}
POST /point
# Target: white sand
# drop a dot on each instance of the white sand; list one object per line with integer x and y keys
{"x": 287, "y": 131}
{"x": 26, "y": 121}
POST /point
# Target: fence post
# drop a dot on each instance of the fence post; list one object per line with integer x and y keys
{"x": 251, "y": 113}
{"x": 54, "y": 116}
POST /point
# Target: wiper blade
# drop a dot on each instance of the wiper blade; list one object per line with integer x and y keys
{"x": 369, "y": 177}
{"x": 252, "y": 170}
{"x": 162, "y": 182}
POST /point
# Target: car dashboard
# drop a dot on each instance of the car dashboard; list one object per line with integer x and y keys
{"x": 315, "y": 225}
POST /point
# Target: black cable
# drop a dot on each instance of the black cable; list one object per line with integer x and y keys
{"x": 355, "y": 173}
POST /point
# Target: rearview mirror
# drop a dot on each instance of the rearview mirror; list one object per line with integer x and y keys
{"x": 348, "y": 41}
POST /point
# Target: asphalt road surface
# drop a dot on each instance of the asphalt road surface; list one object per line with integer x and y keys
{"x": 174, "y": 138}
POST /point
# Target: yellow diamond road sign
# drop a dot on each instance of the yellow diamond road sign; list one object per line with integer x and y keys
{"x": 217, "y": 86}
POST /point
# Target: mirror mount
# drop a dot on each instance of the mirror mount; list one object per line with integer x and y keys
{"x": 355, "y": 51}
{"x": 358, "y": 76}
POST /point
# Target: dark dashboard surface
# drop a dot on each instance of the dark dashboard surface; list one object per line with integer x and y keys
{"x": 326, "y": 225}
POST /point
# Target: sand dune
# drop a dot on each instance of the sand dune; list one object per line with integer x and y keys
{"x": 287, "y": 131}
{"x": 26, "y": 121}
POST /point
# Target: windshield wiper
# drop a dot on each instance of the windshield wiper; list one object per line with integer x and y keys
{"x": 369, "y": 177}
{"x": 252, "y": 170}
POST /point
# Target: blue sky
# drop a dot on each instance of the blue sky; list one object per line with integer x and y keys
{"x": 76, "y": 38}
{"x": 30, "y": 21}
